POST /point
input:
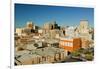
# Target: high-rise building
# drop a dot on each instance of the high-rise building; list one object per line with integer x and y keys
{"x": 29, "y": 25}
{"x": 50, "y": 25}
{"x": 70, "y": 31}
{"x": 83, "y": 27}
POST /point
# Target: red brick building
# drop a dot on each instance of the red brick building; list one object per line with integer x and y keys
{"x": 70, "y": 44}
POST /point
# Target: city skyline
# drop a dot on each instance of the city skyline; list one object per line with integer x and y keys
{"x": 53, "y": 43}
{"x": 40, "y": 14}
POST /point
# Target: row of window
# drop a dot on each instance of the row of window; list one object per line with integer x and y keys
{"x": 70, "y": 44}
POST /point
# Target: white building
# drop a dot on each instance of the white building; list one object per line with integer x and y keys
{"x": 19, "y": 31}
{"x": 70, "y": 31}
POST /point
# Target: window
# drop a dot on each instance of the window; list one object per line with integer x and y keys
{"x": 68, "y": 44}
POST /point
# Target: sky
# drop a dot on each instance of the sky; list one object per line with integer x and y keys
{"x": 63, "y": 15}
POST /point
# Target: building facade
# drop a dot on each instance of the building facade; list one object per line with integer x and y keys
{"x": 70, "y": 44}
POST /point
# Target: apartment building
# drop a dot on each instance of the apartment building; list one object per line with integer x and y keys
{"x": 70, "y": 44}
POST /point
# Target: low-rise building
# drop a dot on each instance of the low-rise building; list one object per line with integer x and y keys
{"x": 19, "y": 31}
{"x": 70, "y": 44}
{"x": 40, "y": 56}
